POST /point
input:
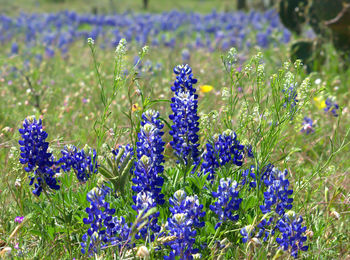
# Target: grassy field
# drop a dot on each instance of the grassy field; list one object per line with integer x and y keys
{"x": 112, "y": 6}
{"x": 98, "y": 98}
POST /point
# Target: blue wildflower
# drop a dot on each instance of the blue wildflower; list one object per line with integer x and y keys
{"x": 292, "y": 233}
{"x": 143, "y": 203}
{"x": 14, "y": 48}
{"x": 181, "y": 203}
{"x": 307, "y": 126}
{"x": 180, "y": 226}
{"x": 149, "y": 148}
{"x": 104, "y": 228}
{"x": 277, "y": 193}
{"x": 331, "y": 106}
{"x": 83, "y": 162}
{"x": 251, "y": 233}
{"x": 185, "y": 119}
{"x": 224, "y": 148}
{"x": 128, "y": 150}
{"x": 249, "y": 151}
{"x": 249, "y": 175}
{"x": 186, "y": 55}
{"x": 290, "y": 98}
{"x": 186, "y": 212}
{"x": 247, "y": 233}
{"x": 227, "y": 201}
{"x": 35, "y": 156}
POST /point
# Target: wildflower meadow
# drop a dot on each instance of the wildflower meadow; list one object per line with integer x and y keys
{"x": 183, "y": 131}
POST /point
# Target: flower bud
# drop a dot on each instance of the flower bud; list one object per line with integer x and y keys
{"x": 180, "y": 195}
{"x": 18, "y": 183}
{"x": 143, "y": 252}
{"x": 256, "y": 242}
{"x": 309, "y": 233}
{"x": 335, "y": 214}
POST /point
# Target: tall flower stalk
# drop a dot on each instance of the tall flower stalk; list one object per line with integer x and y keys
{"x": 148, "y": 169}
{"x": 36, "y": 157}
{"x": 185, "y": 119}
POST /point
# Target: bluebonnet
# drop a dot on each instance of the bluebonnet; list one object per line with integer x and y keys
{"x": 227, "y": 202}
{"x": 262, "y": 228}
{"x": 180, "y": 226}
{"x": 249, "y": 151}
{"x": 276, "y": 196}
{"x": 105, "y": 229}
{"x": 148, "y": 169}
{"x": 149, "y": 148}
{"x": 128, "y": 150}
{"x": 276, "y": 203}
{"x": 290, "y": 98}
{"x": 14, "y": 48}
{"x": 186, "y": 55}
{"x": 181, "y": 203}
{"x": 249, "y": 176}
{"x": 59, "y": 31}
{"x": 83, "y": 162}
{"x": 292, "y": 234}
{"x": 185, "y": 119}
{"x": 331, "y": 106}
{"x": 262, "y": 39}
{"x": 260, "y": 231}
{"x": 247, "y": 233}
{"x": 223, "y": 149}
{"x": 307, "y": 126}
{"x": 143, "y": 203}
{"x": 186, "y": 213}
{"x": 35, "y": 156}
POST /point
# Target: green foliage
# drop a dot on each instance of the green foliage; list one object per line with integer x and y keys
{"x": 247, "y": 98}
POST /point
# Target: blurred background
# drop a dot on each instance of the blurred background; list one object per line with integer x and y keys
{"x": 113, "y": 6}
{"x": 44, "y": 51}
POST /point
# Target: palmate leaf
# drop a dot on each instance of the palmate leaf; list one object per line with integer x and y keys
{"x": 117, "y": 171}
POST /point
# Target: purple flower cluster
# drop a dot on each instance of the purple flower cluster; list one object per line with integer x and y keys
{"x": 277, "y": 218}
{"x": 185, "y": 119}
{"x": 186, "y": 212}
{"x": 223, "y": 149}
{"x": 191, "y": 30}
{"x": 249, "y": 176}
{"x": 250, "y": 233}
{"x": 331, "y": 106}
{"x": 290, "y": 98}
{"x": 83, "y": 162}
{"x": 149, "y": 148}
{"x": 227, "y": 201}
{"x": 19, "y": 219}
{"x": 35, "y": 156}
{"x": 292, "y": 234}
{"x": 190, "y": 205}
{"x": 128, "y": 150}
{"x": 143, "y": 203}
{"x": 277, "y": 192}
{"x": 148, "y": 169}
{"x": 307, "y": 126}
{"x": 104, "y": 229}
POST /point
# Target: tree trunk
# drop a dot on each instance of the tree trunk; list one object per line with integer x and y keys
{"x": 145, "y": 4}
{"x": 241, "y": 4}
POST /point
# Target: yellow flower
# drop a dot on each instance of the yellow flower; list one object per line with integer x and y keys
{"x": 206, "y": 88}
{"x": 320, "y": 102}
{"x": 135, "y": 107}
